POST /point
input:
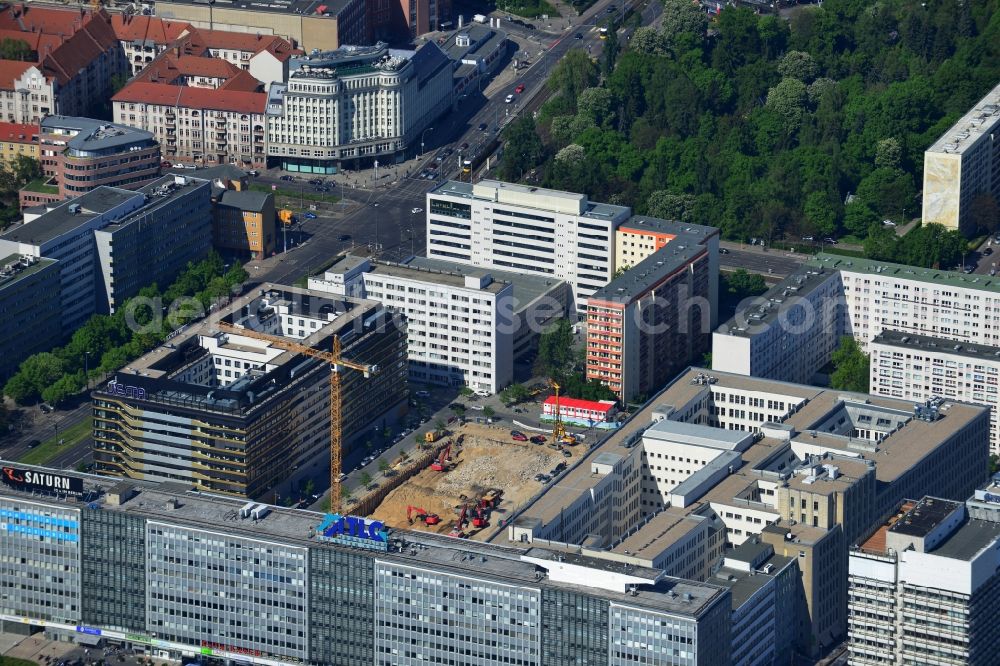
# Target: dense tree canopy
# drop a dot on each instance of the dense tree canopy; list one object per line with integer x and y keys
{"x": 850, "y": 367}
{"x": 765, "y": 126}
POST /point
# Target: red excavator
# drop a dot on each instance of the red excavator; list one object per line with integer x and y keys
{"x": 439, "y": 464}
{"x": 422, "y": 515}
{"x": 480, "y": 520}
{"x": 457, "y": 530}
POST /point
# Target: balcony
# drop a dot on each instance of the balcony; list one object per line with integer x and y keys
{"x": 220, "y": 122}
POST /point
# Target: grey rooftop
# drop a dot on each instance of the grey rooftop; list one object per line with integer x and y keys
{"x": 95, "y": 136}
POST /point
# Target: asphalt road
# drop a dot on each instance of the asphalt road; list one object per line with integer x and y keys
{"x": 777, "y": 263}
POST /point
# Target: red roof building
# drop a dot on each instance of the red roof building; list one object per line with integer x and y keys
{"x": 575, "y": 410}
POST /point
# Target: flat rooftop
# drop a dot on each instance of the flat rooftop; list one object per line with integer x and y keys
{"x": 448, "y": 279}
{"x": 175, "y": 504}
{"x": 59, "y": 220}
{"x": 316, "y": 8}
{"x": 527, "y": 287}
{"x": 884, "y": 269}
{"x": 924, "y": 516}
{"x": 978, "y": 122}
{"x": 646, "y": 224}
{"x": 15, "y": 268}
{"x": 681, "y": 432}
{"x": 744, "y": 584}
{"x": 483, "y": 41}
{"x": 660, "y": 532}
{"x": 595, "y": 211}
{"x": 94, "y": 135}
{"x": 969, "y": 540}
{"x": 934, "y": 345}
{"x": 776, "y": 300}
{"x": 653, "y": 270}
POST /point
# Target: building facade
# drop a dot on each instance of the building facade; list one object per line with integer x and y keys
{"x": 492, "y": 224}
{"x": 923, "y": 588}
{"x": 244, "y": 223}
{"x": 236, "y": 415}
{"x": 79, "y": 154}
{"x": 962, "y": 165}
{"x": 305, "y": 24}
{"x": 275, "y": 586}
{"x": 152, "y": 234}
{"x": 356, "y": 103}
{"x": 656, "y": 318}
{"x": 581, "y": 412}
{"x": 29, "y": 301}
{"x": 17, "y": 139}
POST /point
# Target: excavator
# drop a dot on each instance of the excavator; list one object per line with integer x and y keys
{"x": 439, "y": 465}
{"x": 422, "y": 515}
{"x": 480, "y": 520}
{"x": 457, "y": 531}
{"x": 490, "y": 499}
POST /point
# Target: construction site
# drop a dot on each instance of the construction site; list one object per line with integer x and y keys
{"x": 479, "y": 478}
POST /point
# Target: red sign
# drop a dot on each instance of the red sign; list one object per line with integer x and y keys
{"x": 231, "y": 648}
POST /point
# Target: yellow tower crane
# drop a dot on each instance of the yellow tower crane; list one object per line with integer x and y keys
{"x": 336, "y": 362}
{"x": 558, "y": 431}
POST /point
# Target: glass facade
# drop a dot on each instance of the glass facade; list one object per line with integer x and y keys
{"x": 39, "y": 561}
{"x": 575, "y": 628}
{"x": 643, "y": 637}
{"x": 226, "y": 592}
{"x": 341, "y": 607}
{"x": 114, "y": 570}
{"x": 424, "y": 617}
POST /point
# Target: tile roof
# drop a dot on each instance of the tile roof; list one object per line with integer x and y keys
{"x": 18, "y": 133}
{"x": 47, "y": 20}
{"x": 12, "y": 70}
{"x": 87, "y": 44}
{"x": 242, "y": 41}
{"x": 164, "y": 94}
{"x": 151, "y": 29}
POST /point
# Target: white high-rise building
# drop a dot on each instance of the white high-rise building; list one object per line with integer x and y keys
{"x": 963, "y": 164}
{"x": 500, "y": 225}
{"x": 924, "y": 589}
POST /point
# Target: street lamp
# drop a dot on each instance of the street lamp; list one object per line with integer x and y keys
{"x": 86, "y": 368}
{"x": 422, "y": 134}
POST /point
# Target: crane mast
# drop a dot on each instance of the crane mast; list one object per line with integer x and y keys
{"x": 334, "y": 359}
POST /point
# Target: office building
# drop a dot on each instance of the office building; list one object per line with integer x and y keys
{"x": 303, "y": 23}
{"x": 243, "y": 223}
{"x": 17, "y": 139}
{"x": 300, "y": 589}
{"x": 964, "y": 163}
{"x": 152, "y": 234}
{"x": 924, "y": 587}
{"x": 921, "y": 368}
{"x": 719, "y": 458}
{"x": 790, "y": 331}
{"x": 79, "y": 154}
{"x": 366, "y": 103}
{"x": 76, "y": 57}
{"x": 232, "y": 414}
{"x": 492, "y": 224}
{"x": 29, "y": 301}
{"x": 465, "y": 326}
{"x": 656, "y": 317}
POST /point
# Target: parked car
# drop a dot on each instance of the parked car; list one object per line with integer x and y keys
{"x": 538, "y": 439}
{"x": 578, "y": 35}
{"x": 416, "y": 210}
{"x": 888, "y": 223}
{"x": 567, "y": 454}
{"x": 518, "y": 436}
{"x": 33, "y": 443}
{"x": 987, "y": 252}
{"x": 831, "y": 241}
{"x": 508, "y": 99}
{"x": 482, "y": 127}
{"x": 287, "y": 178}
{"x": 478, "y": 408}
{"x": 310, "y": 216}
{"x": 482, "y": 393}
{"x": 464, "y": 146}
{"x": 809, "y": 238}
{"x": 519, "y": 89}
{"x": 456, "y": 405}
{"x": 723, "y": 250}
{"x": 46, "y": 408}
{"x": 165, "y": 164}
{"x": 423, "y": 394}
{"x": 253, "y": 172}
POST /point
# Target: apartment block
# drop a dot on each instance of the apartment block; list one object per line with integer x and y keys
{"x": 152, "y": 234}
{"x": 303, "y": 23}
{"x": 232, "y": 414}
{"x": 326, "y": 599}
{"x": 719, "y": 459}
{"x": 462, "y": 327}
{"x": 492, "y": 224}
{"x": 17, "y": 139}
{"x": 656, "y": 318}
{"x": 29, "y": 301}
{"x": 962, "y": 164}
{"x": 79, "y": 154}
{"x": 75, "y": 58}
{"x": 790, "y": 332}
{"x": 243, "y": 223}
{"x": 924, "y": 588}
{"x": 358, "y": 102}
{"x": 142, "y": 38}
